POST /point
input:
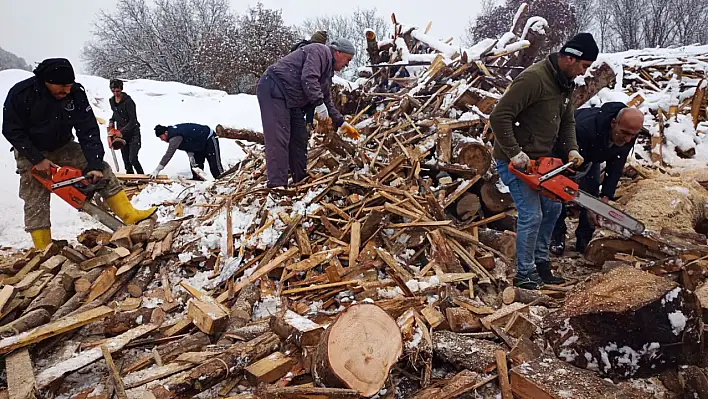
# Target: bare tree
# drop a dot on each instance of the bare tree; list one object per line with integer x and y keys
{"x": 469, "y": 38}
{"x": 351, "y": 27}
{"x": 585, "y": 13}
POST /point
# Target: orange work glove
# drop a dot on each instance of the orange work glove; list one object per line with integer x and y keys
{"x": 350, "y": 131}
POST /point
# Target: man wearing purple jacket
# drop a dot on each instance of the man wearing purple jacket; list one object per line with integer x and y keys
{"x": 299, "y": 81}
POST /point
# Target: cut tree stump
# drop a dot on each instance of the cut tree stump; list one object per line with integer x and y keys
{"x": 494, "y": 200}
{"x": 597, "y": 328}
{"x": 465, "y": 352}
{"x": 358, "y": 350}
{"x": 475, "y": 155}
{"x": 550, "y": 378}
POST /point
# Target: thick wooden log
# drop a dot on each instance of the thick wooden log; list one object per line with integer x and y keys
{"x": 358, "y": 350}
{"x": 595, "y": 329}
{"x": 550, "y": 378}
{"x": 125, "y": 321}
{"x": 475, "y": 155}
{"x": 603, "y": 249}
{"x": 240, "y": 134}
{"x": 468, "y": 206}
{"x": 464, "y": 352}
{"x": 242, "y": 309}
{"x": 142, "y": 279}
{"x": 515, "y": 294}
{"x": 502, "y": 241}
{"x": 53, "y": 295}
{"x": 494, "y": 200}
{"x": 291, "y": 326}
{"x": 208, "y": 374}
{"x": 600, "y": 77}
{"x": 27, "y": 322}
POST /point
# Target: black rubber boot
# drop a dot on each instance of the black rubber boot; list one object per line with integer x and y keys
{"x": 544, "y": 271}
{"x": 557, "y": 246}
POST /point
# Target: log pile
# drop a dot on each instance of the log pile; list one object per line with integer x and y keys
{"x": 386, "y": 272}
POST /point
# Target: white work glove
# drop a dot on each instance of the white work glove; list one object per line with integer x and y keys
{"x": 574, "y": 155}
{"x": 520, "y": 160}
{"x": 321, "y": 112}
{"x": 156, "y": 172}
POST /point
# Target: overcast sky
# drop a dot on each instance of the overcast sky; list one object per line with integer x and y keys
{"x": 38, "y": 29}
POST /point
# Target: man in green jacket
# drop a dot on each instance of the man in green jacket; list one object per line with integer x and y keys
{"x": 534, "y": 114}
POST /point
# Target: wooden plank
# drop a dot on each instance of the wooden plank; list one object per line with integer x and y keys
{"x": 53, "y": 263}
{"x": 354, "y": 243}
{"x": 99, "y": 261}
{"x": 434, "y": 223}
{"x": 29, "y": 279}
{"x": 52, "y": 329}
{"x": 269, "y": 369}
{"x": 138, "y": 378}
{"x": 263, "y": 270}
{"x": 210, "y": 318}
{"x": 102, "y": 283}
{"x": 178, "y": 327}
{"x": 30, "y": 266}
{"x": 133, "y": 260}
{"x": 122, "y": 237}
{"x": 6, "y": 295}
{"x": 393, "y": 264}
{"x": 20, "y": 375}
{"x": 118, "y": 387}
{"x": 502, "y": 315}
{"x": 303, "y": 242}
{"x": 320, "y": 287}
{"x": 229, "y": 230}
{"x": 503, "y": 374}
{"x": 314, "y": 260}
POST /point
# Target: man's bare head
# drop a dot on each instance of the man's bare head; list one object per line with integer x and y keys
{"x": 626, "y": 126}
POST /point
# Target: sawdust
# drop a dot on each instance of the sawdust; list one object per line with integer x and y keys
{"x": 666, "y": 202}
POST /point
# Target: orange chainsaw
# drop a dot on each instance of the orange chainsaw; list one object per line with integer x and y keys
{"x": 77, "y": 190}
{"x": 546, "y": 176}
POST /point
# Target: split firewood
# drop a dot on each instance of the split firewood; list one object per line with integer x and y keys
{"x": 502, "y": 241}
{"x": 78, "y": 298}
{"x": 463, "y": 321}
{"x": 26, "y": 322}
{"x": 269, "y": 369}
{"x": 290, "y": 325}
{"x": 143, "y": 278}
{"x": 20, "y": 376}
{"x": 357, "y": 350}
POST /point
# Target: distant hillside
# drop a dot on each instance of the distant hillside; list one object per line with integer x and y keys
{"x": 9, "y": 60}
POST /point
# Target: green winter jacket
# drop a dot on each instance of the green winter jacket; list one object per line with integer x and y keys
{"x": 535, "y": 112}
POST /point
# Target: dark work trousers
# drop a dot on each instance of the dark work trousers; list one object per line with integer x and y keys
{"x": 130, "y": 154}
{"x": 212, "y": 154}
{"x": 590, "y": 183}
{"x": 285, "y": 135}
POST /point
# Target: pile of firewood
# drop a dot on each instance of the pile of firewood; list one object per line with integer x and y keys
{"x": 385, "y": 273}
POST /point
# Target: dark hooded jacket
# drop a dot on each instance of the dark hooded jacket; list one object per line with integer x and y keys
{"x": 35, "y": 121}
{"x": 593, "y": 135}
{"x": 305, "y": 78}
{"x": 125, "y": 115}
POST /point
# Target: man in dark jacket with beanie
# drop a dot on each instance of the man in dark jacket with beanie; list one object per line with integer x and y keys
{"x": 534, "y": 114}
{"x": 604, "y": 134}
{"x": 198, "y": 141}
{"x": 126, "y": 119}
{"x": 299, "y": 80}
{"x": 38, "y": 118}
{"x": 318, "y": 37}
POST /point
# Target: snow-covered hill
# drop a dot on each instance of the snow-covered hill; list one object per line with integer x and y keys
{"x": 157, "y": 103}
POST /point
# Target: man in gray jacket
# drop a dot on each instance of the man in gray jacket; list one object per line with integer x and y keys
{"x": 297, "y": 81}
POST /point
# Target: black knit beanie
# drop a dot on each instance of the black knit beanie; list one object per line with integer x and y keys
{"x": 56, "y": 71}
{"x": 581, "y": 46}
{"x": 116, "y": 84}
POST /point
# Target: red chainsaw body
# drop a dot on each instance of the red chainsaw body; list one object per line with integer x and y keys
{"x": 71, "y": 193}
{"x": 558, "y": 187}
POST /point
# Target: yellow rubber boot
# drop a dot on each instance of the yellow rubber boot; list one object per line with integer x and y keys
{"x": 121, "y": 206}
{"x": 41, "y": 238}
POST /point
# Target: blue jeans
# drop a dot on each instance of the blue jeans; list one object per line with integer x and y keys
{"x": 537, "y": 217}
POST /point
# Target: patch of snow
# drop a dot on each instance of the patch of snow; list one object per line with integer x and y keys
{"x": 678, "y": 322}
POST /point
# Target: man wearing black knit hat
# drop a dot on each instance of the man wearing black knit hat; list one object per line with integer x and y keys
{"x": 535, "y": 114}
{"x": 39, "y": 116}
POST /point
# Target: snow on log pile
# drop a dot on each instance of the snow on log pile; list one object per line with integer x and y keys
{"x": 382, "y": 274}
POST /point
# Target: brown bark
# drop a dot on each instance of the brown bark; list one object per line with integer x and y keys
{"x": 502, "y": 241}
{"x": 514, "y": 294}
{"x": 252, "y": 330}
{"x": 77, "y": 299}
{"x": 494, "y": 200}
{"x": 214, "y": 371}
{"x": 54, "y": 295}
{"x": 600, "y": 77}
{"x": 240, "y": 134}
{"x": 357, "y": 350}
{"x": 468, "y": 206}
{"x": 442, "y": 253}
{"x": 124, "y": 321}
{"x": 143, "y": 278}
{"x": 27, "y": 322}
{"x": 464, "y": 352}
{"x": 474, "y": 155}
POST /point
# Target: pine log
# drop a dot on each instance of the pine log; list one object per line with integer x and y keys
{"x": 240, "y": 134}
{"x": 475, "y": 155}
{"x": 515, "y": 294}
{"x": 502, "y": 241}
{"x": 464, "y": 352}
{"x": 77, "y": 299}
{"x": 124, "y": 321}
{"x": 442, "y": 253}
{"x": 242, "y": 309}
{"x": 358, "y": 350}
{"x": 251, "y": 330}
{"x": 54, "y": 295}
{"x": 291, "y": 326}
{"x": 599, "y": 77}
{"x": 212, "y": 372}
{"x": 171, "y": 350}
{"x": 595, "y": 329}
{"x": 142, "y": 279}
{"x": 27, "y": 322}
{"x": 550, "y": 378}
{"x": 494, "y": 200}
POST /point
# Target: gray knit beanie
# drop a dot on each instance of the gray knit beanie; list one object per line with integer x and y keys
{"x": 343, "y": 45}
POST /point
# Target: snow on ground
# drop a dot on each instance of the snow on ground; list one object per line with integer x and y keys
{"x": 157, "y": 103}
